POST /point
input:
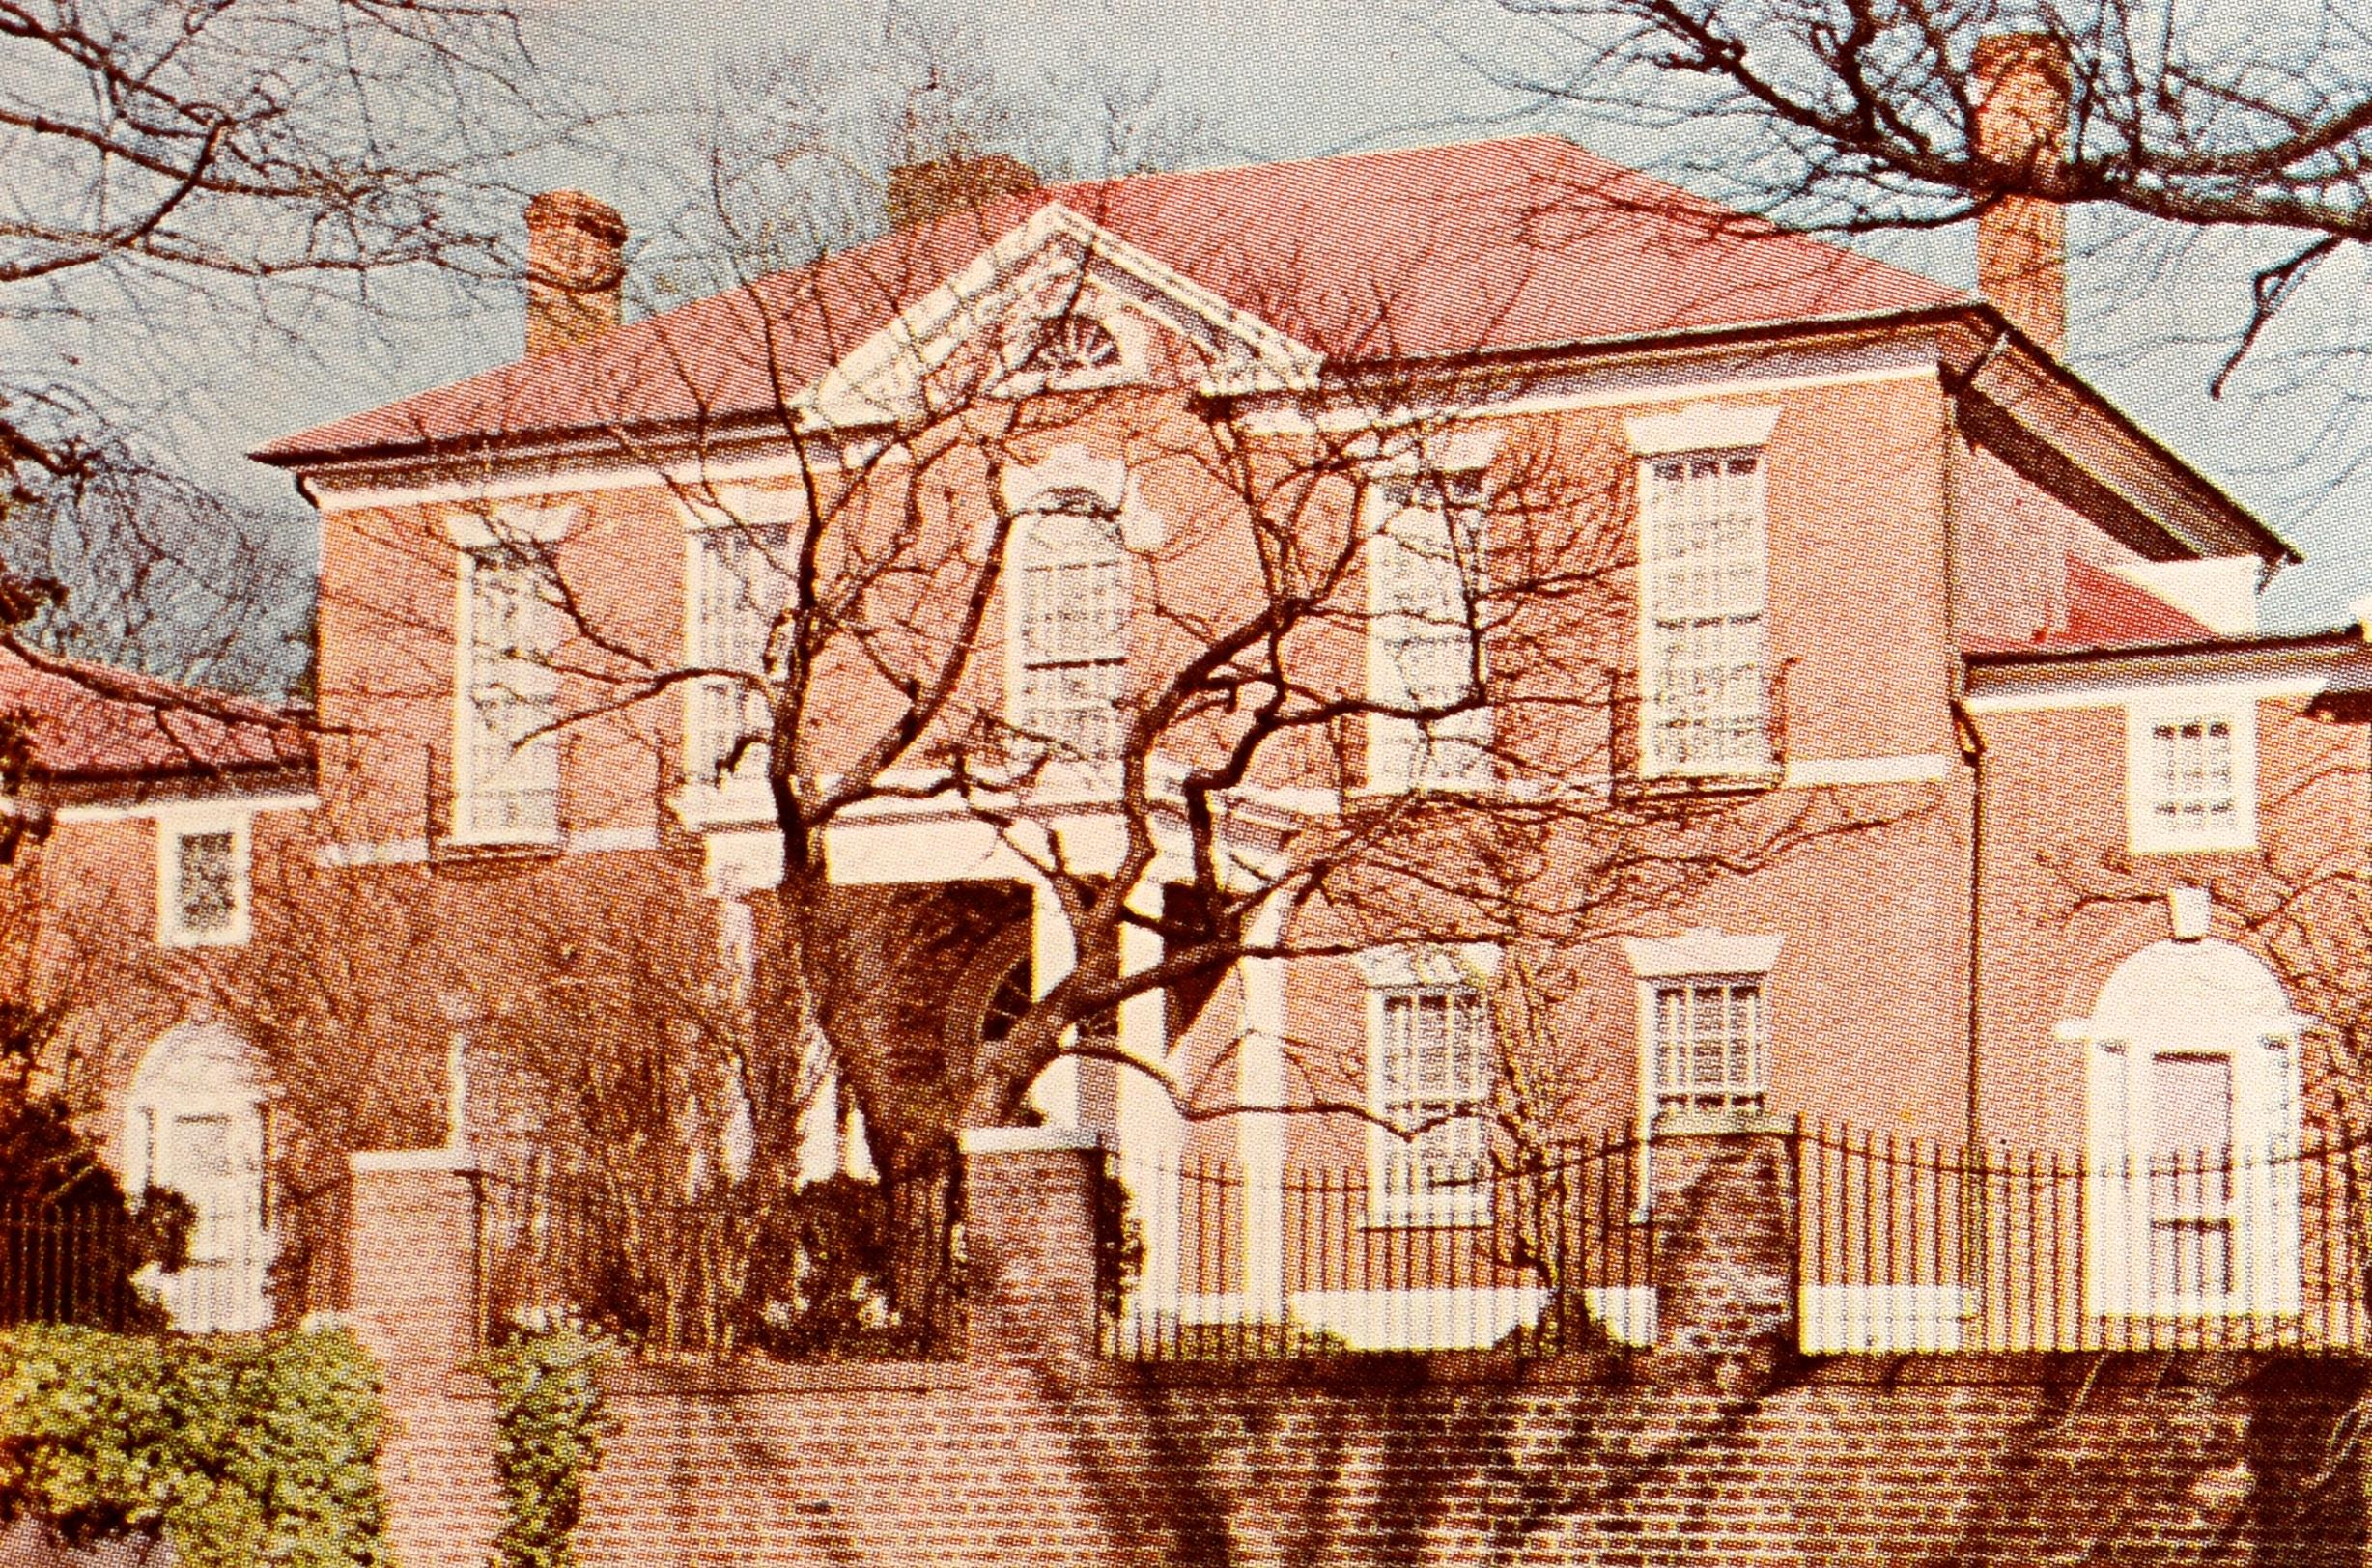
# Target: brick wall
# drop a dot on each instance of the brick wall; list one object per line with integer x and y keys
{"x": 1061, "y": 1459}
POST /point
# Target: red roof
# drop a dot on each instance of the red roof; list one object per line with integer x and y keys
{"x": 2105, "y": 610}
{"x": 93, "y": 721}
{"x": 1521, "y": 242}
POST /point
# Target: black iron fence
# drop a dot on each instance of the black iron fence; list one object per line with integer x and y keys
{"x": 835, "y": 1270}
{"x": 221, "y": 1263}
{"x": 1525, "y": 1255}
{"x": 1913, "y": 1246}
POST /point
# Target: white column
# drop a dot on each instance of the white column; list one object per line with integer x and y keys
{"x": 1053, "y": 954}
{"x": 1153, "y": 1134}
{"x": 1260, "y": 1137}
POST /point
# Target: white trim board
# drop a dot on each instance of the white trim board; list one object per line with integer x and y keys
{"x": 202, "y": 806}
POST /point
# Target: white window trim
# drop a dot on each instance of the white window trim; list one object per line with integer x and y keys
{"x": 2141, "y": 719}
{"x": 1420, "y": 970}
{"x": 2161, "y": 1010}
{"x": 704, "y": 802}
{"x": 1657, "y": 962}
{"x": 1389, "y": 734}
{"x": 1071, "y": 468}
{"x": 2265, "y": 1199}
{"x": 177, "y": 823}
{"x": 1712, "y": 432}
{"x": 463, "y": 828}
{"x": 1701, "y": 427}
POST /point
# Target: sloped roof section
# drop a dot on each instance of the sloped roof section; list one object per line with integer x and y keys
{"x": 1479, "y": 247}
{"x": 2106, "y": 612}
{"x": 93, "y": 722}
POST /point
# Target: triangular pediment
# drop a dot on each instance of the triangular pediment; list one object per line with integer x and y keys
{"x": 1057, "y": 259}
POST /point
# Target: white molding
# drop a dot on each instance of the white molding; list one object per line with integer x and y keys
{"x": 1701, "y": 427}
{"x": 1072, "y": 466}
{"x": 514, "y": 522}
{"x": 1412, "y": 966}
{"x": 397, "y": 852}
{"x": 736, "y": 864}
{"x": 879, "y": 378}
{"x": 1701, "y": 953}
{"x": 1920, "y": 768}
{"x": 1395, "y": 452}
{"x": 1624, "y": 385}
{"x": 609, "y": 840}
{"x": 413, "y": 1162}
{"x": 162, "y": 810}
{"x": 362, "y": 487}
{"x": 2041, "y": 690}
{"x": 977, "y": 1140}
{"x": 2144, "y": 835}
{"x": 411, "y": 484}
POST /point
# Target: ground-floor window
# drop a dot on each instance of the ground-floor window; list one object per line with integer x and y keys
{"x": 2192, "y": 1083}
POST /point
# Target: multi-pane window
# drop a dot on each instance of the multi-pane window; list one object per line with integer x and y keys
{"x": 1711, "y": 1044}
{"x": 509, "y": 774}
{"x": 1071, "y": 598}
{"x": 209, "y": 884}
{"x": 1432, "y": 1078}
{"x": 205, "y": 887}
{"x": 739, "y": 591}
{"x": 2191, "y": 779}
{"x": 1703, "y": 586}
{"x": 2192, "y": 1191}
{"x": 1424, "y": 641}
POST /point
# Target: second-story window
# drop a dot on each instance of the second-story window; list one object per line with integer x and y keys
{"x": 1711, "y": 1039}
{"x": 509, "y": 778}
{"x": 1071, "y": 598}
{"x": 1427, "y": 587}
{"x": 2192, "y": 778}
{"x": 1702, "y": 583}
{"x": 739, "y": 592}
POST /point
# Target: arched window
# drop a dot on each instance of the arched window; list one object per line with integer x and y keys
{"x": 196, "y": 1123}
{"x": 2193, "y": 1111}
{"x": 1072, "y": 348}
{"x": 1071, "y": 601}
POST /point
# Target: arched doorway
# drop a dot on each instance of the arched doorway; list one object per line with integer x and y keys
{"x": 196, "y": 1121}
{"x": 2193, "y": 1110}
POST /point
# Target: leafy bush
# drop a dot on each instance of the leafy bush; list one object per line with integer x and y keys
{"x": 549, "y": 1422}
{"x": 253, "y": 1450}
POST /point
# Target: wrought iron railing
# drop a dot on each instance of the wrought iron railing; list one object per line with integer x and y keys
{"x": 237, "y": 1262}
{"x": 1527, "y": 1255}
{"x": 1913, "y": 1246}
{"x": 837, "y": 1270}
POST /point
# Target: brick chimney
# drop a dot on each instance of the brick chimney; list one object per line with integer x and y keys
{"x": 2022, "y": 88}
{"x": 575, "y": 269}
{"x": 959, "y": 182}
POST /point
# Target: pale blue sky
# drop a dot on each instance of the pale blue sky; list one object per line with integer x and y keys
{"x": 1268, "y": 78}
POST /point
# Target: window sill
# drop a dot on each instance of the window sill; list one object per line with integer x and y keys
{"x": 467, "y": 851}
{"x": 1758, "y": 780}
{"x": 1427, "y": 1213}
{"x": 234, "y": 935}
{"x": 2233, "y": 844}
{"x": 702, "y": 806}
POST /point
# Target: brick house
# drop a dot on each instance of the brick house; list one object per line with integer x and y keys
{"x": 1728, "y": 675}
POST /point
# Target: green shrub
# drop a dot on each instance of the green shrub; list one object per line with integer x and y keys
{"x": 549, "y": 1422}
{"x": 241, "y": 1451}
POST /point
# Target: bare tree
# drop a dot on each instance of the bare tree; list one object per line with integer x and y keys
{"x": 1152, "y": 683}
{"x": 188, "y": 185}
{"x": 1862, "y": 115}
